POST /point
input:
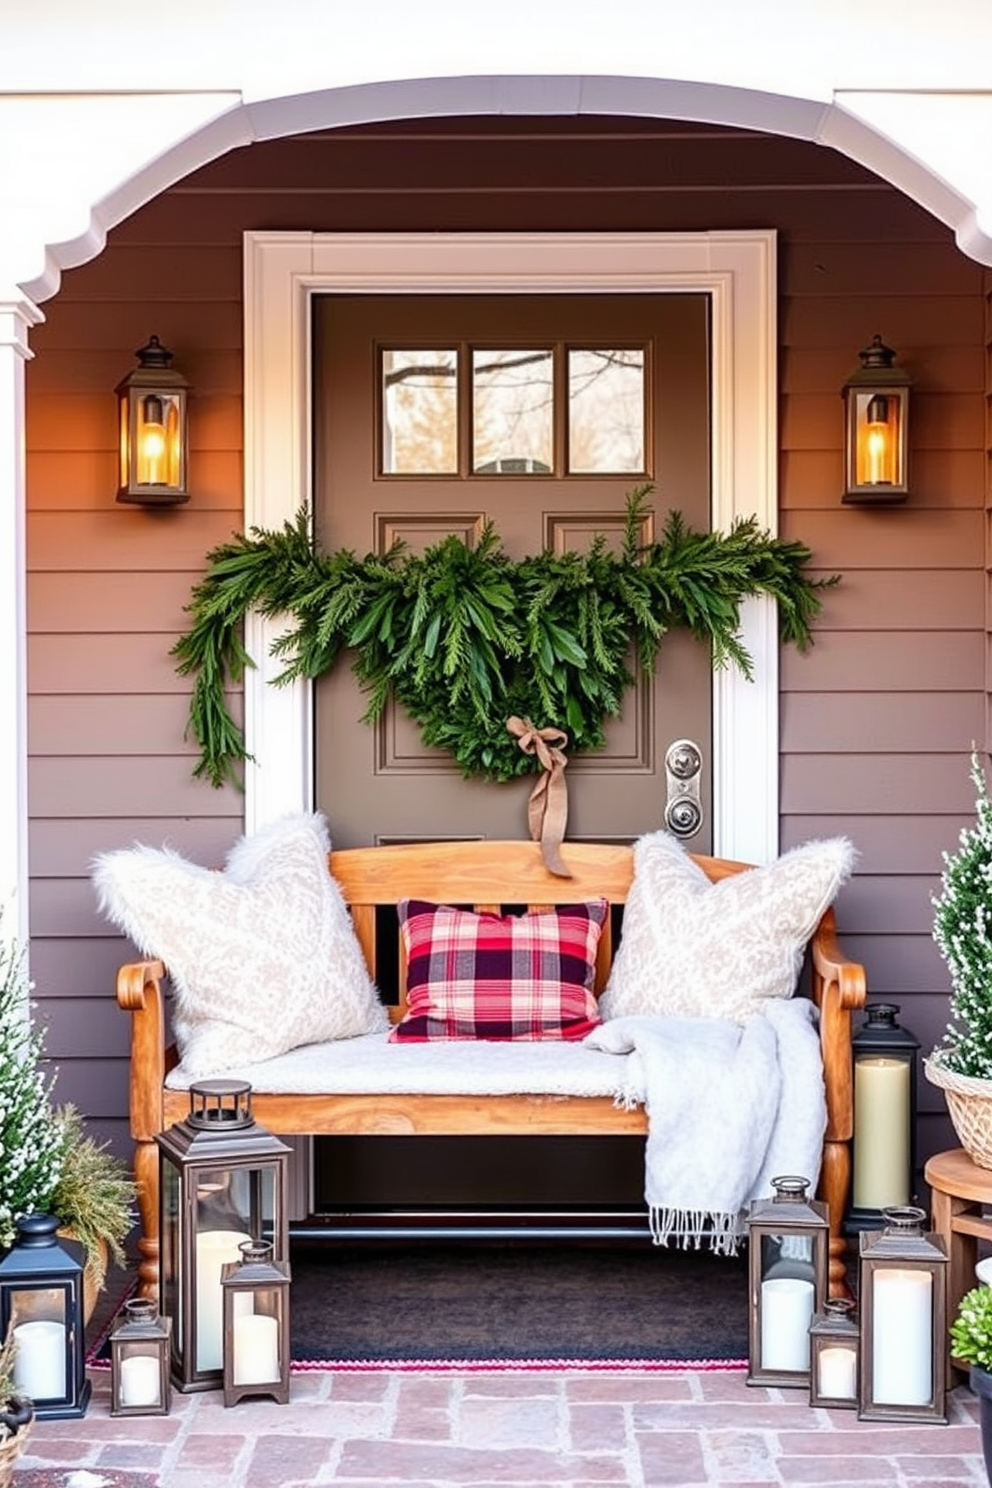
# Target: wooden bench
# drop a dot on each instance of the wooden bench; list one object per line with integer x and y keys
{"x": 485, "y": 875}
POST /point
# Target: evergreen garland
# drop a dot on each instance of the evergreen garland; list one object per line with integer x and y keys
{"x": 962, "y": 928}
{"x": 464, "y": 637}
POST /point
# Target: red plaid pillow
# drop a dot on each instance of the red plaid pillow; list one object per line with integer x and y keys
{"x": 486, "y": 976}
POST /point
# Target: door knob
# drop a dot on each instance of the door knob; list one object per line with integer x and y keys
{"x": 683, "y": 771}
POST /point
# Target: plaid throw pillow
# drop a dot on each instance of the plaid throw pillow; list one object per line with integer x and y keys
{"x": 486, "y": 976}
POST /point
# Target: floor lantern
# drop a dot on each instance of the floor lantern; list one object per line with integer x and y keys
{"x": 903, "y": 1302}
{"x": 788, "y": 1240}
{"x": 223, "y": 1181}
{"x": 139, "y": 1361}
{"x": 41, "y": 1300}
{"x": 835, "y": 1347}
{"x": 884, "y": 1177}
{"x": 256, "y": 1325}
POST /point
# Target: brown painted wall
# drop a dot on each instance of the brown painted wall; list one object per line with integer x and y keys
{"x": 876, "y": 722}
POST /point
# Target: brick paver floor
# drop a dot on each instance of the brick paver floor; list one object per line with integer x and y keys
{"x": 556, "y": 1429}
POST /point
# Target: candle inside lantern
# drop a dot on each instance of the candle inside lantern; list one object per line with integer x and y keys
{"x": 140, "y": 1380}
{"x": 213, "y": 1249}
{"x": 881, "y": 1142}
{"x": 902, "y": 1342}
{"x": 838, "y": 1373}
{"x": 39, "y": 1359}
{"x": 786, "y": 1311}
{"x": 256, "y": 1349}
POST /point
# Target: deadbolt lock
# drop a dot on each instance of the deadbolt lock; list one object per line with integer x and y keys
{"x": 683, "y": 774}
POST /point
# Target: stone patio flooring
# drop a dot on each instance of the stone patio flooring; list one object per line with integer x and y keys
{"x": 561, "y": 1429}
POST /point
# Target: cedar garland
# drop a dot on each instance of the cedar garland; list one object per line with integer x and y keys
{"x": 465, "y": 637}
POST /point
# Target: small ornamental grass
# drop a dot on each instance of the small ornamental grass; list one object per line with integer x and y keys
{"x": 971, "y": 1331}
{"x": 31, "y": 1144}
{"x": 962, "y": 929}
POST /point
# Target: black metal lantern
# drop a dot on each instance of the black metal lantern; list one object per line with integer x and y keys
{"x": 153, "y": 442}
{"x": 41, "y": 1302}
{"x": 885, "y": 1057}
{"x": 788, "y": 1243}
{"x": 223, "y": 1180}
{"x": 876, "y": 420}
{"x": 139, "y": 1361}
{"x": 903, "y": 1301}
{"x": 835, "y": 1348}
{"x": 256, "y": 1325}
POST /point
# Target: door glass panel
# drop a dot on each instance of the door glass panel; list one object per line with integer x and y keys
{"x": 419, "y": 412}
{"x": 606, "y": 411}
{"x": 513, "y": 412}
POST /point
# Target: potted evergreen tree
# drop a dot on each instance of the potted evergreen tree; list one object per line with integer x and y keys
{"x": 50, "y": 1164}
{"x": 962, "y": 928}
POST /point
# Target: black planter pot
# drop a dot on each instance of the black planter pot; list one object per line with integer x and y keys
{"x": 981, "y": 1383}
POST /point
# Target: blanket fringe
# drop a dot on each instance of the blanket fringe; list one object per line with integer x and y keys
{"x": 691, "y": 1228}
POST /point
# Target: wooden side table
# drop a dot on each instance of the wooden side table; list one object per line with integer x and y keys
{"x": 960, "y": 1191}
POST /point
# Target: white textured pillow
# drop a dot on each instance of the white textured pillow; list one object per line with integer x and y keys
{"x": 695, "y": 949}
{"x": 262, "y": 956}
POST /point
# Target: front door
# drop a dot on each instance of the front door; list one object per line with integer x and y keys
{"x": 436, "y": 413}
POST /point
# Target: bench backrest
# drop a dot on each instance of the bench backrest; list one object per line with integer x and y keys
{"x": 486, "y": 876}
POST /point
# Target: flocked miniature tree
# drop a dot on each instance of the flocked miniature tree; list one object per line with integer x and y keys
{"x": 962, "y": 928}
{"x": 31, "y": 1141}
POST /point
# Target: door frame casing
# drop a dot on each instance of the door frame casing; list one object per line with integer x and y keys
{"x": 736, "y": 270}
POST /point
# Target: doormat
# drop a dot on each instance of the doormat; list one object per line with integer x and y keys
{"x": 434, "y": 1307}
{"x": 470, "y": 1307}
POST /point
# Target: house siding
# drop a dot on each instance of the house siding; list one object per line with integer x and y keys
{"x": 877, "y": 719}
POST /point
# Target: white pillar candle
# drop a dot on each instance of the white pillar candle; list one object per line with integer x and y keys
{"x": 256, "y": 1349}
{"x": 140, "y": 1382}
{"x": 39, "y": 1359}
{"x": 838, "y": 1373}
{"x": 902, "y": 1337}
{"x": 786, "y": 1313}
{"x": 213, "y": 1249}
{"x": 881, "y": 1133}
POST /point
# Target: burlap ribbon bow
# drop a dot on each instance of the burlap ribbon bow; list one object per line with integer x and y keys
{"x": 547, "y": 808}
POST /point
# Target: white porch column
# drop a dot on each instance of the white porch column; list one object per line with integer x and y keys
{"x": 16, "y": 318}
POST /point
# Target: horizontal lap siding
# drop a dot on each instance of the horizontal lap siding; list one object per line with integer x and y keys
{"x": 876, "y": 720}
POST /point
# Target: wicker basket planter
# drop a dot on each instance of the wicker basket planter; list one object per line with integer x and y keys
{"x": 10, "y": 1450}
{"x": 969, "y": 1105}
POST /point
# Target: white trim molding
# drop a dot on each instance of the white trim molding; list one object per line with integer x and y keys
{"x": 283, "y": 271}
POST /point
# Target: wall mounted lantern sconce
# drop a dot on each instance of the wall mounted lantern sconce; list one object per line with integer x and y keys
{"x": 876, "y": 420}
{"x": 152, "y": 414}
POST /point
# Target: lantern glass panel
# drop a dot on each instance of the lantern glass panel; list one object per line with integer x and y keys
{"x": 39, "y": 1317}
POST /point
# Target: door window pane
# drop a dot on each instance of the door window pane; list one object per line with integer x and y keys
{"x": 606, "y": 411}
{"x": 419, "y": 412}
{"x": 512, "y": 412}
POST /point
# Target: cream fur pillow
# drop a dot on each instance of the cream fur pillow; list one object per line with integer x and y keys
{"x": 262, "y": 956}
{"x": 695, "y": 949}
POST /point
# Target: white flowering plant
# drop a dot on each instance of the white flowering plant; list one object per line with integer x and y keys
{"x": 31, "y": 1140}
{"x": 962, "y": 929}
